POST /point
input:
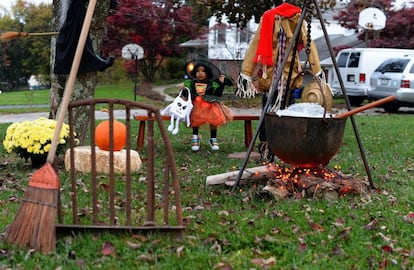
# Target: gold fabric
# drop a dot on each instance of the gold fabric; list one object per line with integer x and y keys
{"x": 288, "y": 25}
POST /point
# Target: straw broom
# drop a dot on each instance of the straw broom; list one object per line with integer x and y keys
{"x": 34, "y": 223}
{"x": 10, "y": 35}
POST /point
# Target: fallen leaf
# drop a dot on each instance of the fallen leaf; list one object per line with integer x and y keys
{"x": 223, "y": 213}
{"x": 13, "y": 199}
{"x": 199, "y": 207}
{"x": 392, "y": 201}
{"x": 246, "y": 199}
{"x": 72, "y": 255}
{"x": 29, "y": 253}
{"x": 257, "y": 261}
{"x": 287, "y": 219}
{"x": 216, "y": 246}
{"x": 223, "y": 266}
{"x": 275, "y": 230}
{"x": 409, "y": 217}
{"x": 295, "y": 228}
{"x": 387, "y": 249}
{"x": 180, "y": 251}
{"x": 156, "y": 242}
{"x": 81, "y": 263}
{"x": 108, "y": 249}
{"x": 383, "y": 264}
{"x": 344, "y": 234}
{"x": 302, "y": 244}
{"x": 270, "y": 239}
{"x": 372, "y": 225}
{"x": 339, "y": 222}
{"x": 144, "y": 257}
{"x": 104, "y": 186}
{"x": 225, "y": 242}
{"x": 251, "y": 222}
{"x": 317, "y": 227}
{"x": 140, "y": 238}
{"x": 132, "y": 245}
{"x": 337, "y": 251}
{"x": 302, "y": 247}
{"x": 385, "y": 238}
{"x": 270, "y": 261}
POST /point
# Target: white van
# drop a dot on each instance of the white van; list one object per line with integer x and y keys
{"x": 356, "y": 66}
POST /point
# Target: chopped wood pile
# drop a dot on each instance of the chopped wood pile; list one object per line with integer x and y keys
{"x": 283, "y": 181}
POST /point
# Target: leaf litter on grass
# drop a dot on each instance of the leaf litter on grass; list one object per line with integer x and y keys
{"x": 237, "y": 231}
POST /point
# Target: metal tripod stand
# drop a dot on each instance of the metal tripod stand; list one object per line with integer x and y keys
{"x": 307, "y": 8}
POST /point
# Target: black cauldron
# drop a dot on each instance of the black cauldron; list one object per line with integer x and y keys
{"x": 303, "y": 141}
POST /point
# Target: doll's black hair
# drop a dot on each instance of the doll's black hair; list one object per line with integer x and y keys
{"x": 211, "y": 70}
{"x": 206, "y": 68}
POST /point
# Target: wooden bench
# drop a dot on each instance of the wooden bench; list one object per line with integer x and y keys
{"x": 247, "y": 118}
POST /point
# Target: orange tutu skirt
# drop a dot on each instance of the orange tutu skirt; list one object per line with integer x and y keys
{"x": 214, "y": 113}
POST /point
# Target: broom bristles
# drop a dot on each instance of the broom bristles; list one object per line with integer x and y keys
{"x": 34, "y": 223}
{"x": 12, "y": 35}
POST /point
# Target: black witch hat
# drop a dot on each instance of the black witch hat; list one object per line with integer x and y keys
{"x": 212, "y": 71}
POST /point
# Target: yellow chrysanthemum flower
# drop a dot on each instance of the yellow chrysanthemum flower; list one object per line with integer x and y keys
{"x": 33, "y": 137}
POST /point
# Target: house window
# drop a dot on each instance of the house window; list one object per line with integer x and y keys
{"x": 221, "y": 34}
{"x": 243, "y": 35}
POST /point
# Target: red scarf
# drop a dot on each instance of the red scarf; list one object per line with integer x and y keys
{"x": 264, "y": 53}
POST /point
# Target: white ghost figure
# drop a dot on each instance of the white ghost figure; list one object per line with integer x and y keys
{"x": 179, "y": 110}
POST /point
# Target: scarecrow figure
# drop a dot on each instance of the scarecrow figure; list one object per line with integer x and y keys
{"x": 266, "y": 53}
{"x": 72, "y": 15}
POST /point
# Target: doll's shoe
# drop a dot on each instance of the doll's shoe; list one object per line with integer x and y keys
{"x": 214, "y": 144}
{"x": 195, "y": 144}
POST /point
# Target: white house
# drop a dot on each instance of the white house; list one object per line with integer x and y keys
{"x": 33, "y": 82}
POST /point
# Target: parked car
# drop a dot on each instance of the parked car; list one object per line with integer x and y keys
{"x": 394, "y": 76}
{"x": 356, "y": 66}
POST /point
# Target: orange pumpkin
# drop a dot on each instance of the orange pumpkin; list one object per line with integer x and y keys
{"x": 102, "y": 135}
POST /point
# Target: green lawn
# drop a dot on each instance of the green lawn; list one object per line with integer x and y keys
{"x": 28, "y": 97}
{"x": 237, "y": 230}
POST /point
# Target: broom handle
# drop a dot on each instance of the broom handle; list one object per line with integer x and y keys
{"x": 71, "y": 80}
{"x": 367, "y": 106}
{"x": 43, "y": 34}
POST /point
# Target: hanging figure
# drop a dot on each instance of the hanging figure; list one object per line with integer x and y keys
{"x": 72, "y": 15}
{"x": 266, "y": 52}
{"x": 206, "y": 84}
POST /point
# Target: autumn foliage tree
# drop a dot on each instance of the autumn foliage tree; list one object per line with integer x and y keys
{"x": 241, "y": 12}
{"x": 398, "y": 31}
{"x": 158, "y": 27}
{"x": 22, "y": 57}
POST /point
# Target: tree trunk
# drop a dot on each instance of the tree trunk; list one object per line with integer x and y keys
{"x": 85, "y": 83}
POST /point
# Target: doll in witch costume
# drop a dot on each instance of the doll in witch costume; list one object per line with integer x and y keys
{"x": 206, "y": 85}
{"x": 72, "y": 15}
{"x": 265, "y": 54}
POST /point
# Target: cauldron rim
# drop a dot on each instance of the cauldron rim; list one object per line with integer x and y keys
{"x": 327, "y": 117}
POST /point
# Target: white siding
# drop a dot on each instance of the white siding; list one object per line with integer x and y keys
{"x": 232, "y": 48}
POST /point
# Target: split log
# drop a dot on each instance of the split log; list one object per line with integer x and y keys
{"x": 256, "y": 173}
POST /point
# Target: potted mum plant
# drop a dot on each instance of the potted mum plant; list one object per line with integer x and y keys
{"x": 32, "y": 139}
